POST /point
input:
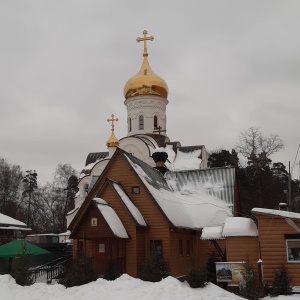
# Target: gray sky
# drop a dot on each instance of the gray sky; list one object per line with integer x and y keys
{"x": 229, "y": 65}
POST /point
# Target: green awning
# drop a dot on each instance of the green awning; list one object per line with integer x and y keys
{"x": 19, "y": 247}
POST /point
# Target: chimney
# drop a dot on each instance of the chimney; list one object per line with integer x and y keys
{"x": 160, "y": 156}
{"x": 282, "y": 206}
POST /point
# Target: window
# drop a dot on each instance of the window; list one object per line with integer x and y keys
{"x": 94, "y": 222}
{"x": 156, "y": 247}
{"x": 141, "y": 122}
{"x": 101, "y": 248}
{"x": 180, "y": 248}
{"x": 293, "y": 250}
{"x": 188, "y": 251}
{"x": 80, "y": 249}
{"x": 135, "y": 190}
{"x": 129, "y": 124}
{"x": 155, "y": 123}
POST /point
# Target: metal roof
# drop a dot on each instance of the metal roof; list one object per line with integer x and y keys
{"x": 218, "y": 182}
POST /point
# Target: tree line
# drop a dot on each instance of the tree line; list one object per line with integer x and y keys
{"x": 261, "y": 182}
{"x": 42, "y": 207}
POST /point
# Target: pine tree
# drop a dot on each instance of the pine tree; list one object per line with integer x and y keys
{"x": 281, "y": 282}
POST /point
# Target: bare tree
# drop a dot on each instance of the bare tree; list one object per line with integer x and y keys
{"x": 10, "y": 188}
{"x": 253, "y": 142}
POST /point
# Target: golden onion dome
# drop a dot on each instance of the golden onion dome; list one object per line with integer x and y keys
{"x": 145, "y": 82}
{"x": 112, "y": 141}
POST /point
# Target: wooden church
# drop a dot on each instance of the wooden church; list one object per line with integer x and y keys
{"x": 148, "y": 193}
{"x": 132, "y": 210}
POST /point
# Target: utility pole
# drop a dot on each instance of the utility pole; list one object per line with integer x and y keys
{"x": 289, "y": 188}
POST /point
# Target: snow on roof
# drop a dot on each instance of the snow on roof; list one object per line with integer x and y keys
{"x": 111, "y": 218}
{"x": 171, "y": 154}
{"x": 184, "y": 160}
{"x": 129, "y": 204}
{"x": 14, "y": 228}
{"x": 159, "y": 149}
{"x": 234, "y": 226}
{"x": 275, "y": 212}
{"x": 218, "y": 182}
{"x": 68, "y": 232}
{"x": 212, "y": 233}
{"x": 72, "y": 211}
{"x": 43, "y": 234}
{"x": 6, "y": 220}
{"x": 187, "y": 211}
{"x": 238, "y": 226}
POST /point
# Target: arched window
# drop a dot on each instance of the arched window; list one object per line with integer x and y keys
{"x": 129, "y": 124}
{"x": 86, "y": 189}
{"x": 141, "y": 122}
{"x": 155, "y": 123}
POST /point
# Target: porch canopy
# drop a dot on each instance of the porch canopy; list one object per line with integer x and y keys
{"x": 21, "y": 247}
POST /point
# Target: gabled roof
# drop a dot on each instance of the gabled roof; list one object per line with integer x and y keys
{"x": 134, "y": 211}
{"x": 94, "y": 156}
{"x": 91, "y": 160}
{"x": 111, "y": 218}
{"x": 275, "y": 212}
{"x": 8, "y": 221}
{"x": 185, "y": 211}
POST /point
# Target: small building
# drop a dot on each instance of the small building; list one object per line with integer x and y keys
{"x": 133, "y": 209}
{"x": 279, "y": 242}
{"x": 11, "y": 229}
{"x": 269, "y": 242}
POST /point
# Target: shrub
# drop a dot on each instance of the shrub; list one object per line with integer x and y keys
{"x": 211, "y": 267}
{"x": 80, "y": 272}
{"x": 21, "y": 272}
{"x": 196, "y": 276}
{"x": 281, "y": 282}
{"x": 111, "y": 270}
{"x": 154, "y": 268}
{"x": 249, "y": 289}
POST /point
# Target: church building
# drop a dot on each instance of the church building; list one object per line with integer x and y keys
{"x": 148, "y": 193}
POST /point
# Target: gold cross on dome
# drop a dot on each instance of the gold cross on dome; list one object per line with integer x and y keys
{"x": 112, "y": 122}
{"x": 145, "y": 39}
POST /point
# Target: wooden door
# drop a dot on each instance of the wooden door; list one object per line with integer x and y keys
{"x": 101, "y": 255}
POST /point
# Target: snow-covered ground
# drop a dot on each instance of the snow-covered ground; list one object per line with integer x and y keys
{"x": 125, "y": 288}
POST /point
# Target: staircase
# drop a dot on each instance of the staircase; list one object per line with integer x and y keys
{"x": 51, "y": 270}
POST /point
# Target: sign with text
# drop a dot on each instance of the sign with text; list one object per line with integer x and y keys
{"x": 229, "y": 271}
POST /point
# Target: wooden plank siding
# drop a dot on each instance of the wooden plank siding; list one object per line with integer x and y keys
{"x": 110, "y": 196}
{"x": 141, "y": 248}
{"x": 273, "y": 246}
{"x": 138, "y": 247}
{"x": 121, "y": 171}
{"x": 180, "y": 260}
{"x": 85, "y": 230}
{"x": 242, "y": 249}
{"x": 204, "y": 247}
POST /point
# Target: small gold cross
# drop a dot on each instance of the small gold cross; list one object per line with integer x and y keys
{"x": 145, "y": 39}
{"x": 112, "y": 122}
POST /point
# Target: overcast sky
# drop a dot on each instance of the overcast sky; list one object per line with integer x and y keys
{"x": 229, "y": 65}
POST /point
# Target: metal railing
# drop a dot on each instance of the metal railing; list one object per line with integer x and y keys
{"x": 52, "y": 269}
